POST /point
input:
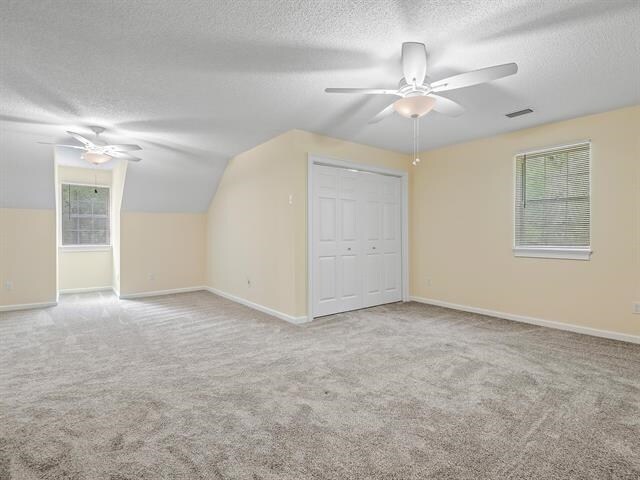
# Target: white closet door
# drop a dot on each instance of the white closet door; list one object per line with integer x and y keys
{"x": 391, "y": 241}
{"x": 357, "y": 259}
{"x": 383, "y": 241}
{"x": 373, "y": 271}
{"x": 337, "y": 270}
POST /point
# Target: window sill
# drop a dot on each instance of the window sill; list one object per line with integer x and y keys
{"x": 566, "y": 253}
{"x": 85, "y": 248}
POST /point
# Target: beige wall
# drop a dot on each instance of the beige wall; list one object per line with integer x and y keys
{"x": 461, "y": 229}
{"x": 461, "y": 217}
{"x": 169, "y": 247}
{"x": 27, "y": 256}
{"x": 83, "y": 269}
{"x": 88, "y": 176}
{"x": 256, "y": 245}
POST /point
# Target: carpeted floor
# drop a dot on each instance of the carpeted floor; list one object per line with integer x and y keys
{"x": 193, "y": 386}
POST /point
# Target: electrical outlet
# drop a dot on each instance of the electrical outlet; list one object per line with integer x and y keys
{"x": 636, "y": 307}
{"x": 8, "y": 285}
{"x": 152, "y": 276}
{"x": 428, "y": 282}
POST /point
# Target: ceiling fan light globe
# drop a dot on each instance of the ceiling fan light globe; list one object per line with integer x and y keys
{"x": 95, "y": 158}
{"x": 415, "y": 106}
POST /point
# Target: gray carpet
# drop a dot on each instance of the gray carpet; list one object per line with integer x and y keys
{"x": 193, "y": 386}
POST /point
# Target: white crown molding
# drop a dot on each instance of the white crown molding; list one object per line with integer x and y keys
{"x": 27, "y": 306}
{"x": 594, "y": 332}
{"x": 261, "y": 308}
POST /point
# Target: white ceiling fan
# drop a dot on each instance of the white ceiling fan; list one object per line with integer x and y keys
{"x": 97, "y": 151}
{"x": 418, "y": 97}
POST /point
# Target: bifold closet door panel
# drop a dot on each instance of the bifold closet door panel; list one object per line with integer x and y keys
{"x": 337, "y": 270}
{"x": 391, "y": 241}
{"x": 349, "y": 246}
{"x": 373, "y": 271}
{"x": 325, "y": 230}
{"x": 383, "y": 239}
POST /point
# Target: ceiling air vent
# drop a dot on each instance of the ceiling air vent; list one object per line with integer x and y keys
{"x": 519, "y": 112}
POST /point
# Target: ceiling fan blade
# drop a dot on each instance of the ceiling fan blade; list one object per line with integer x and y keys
{"x": 123, "y": 148}
{"x": 414, "y": 62}
{"x": 15, "y": 119}
{"x": 447, "y": 107}
{"x": 475, "y": 77}
{"x": 87, "y": 143}
{"x": 365, "y": 91}
{"x": 383, "y": 114}
{"x": 124, "y": 156}
{"x": 60, "y": 145}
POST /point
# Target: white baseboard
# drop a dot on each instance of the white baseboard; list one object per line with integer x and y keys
{"x": 157, "y": 293}
{"x": 261, "y": 308}
{"x": 624, "y": 337}
{"x": 85, "y": 290}
{"x": 27, "y": 306}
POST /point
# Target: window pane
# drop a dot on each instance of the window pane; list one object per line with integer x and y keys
{"x": 100, "y": 207}
{"x": 552, "y": 204}
{"x": 555, "y": 187}
{"x": 69, "y": 237}
{"x": 579, "y": 185}
{"x": 100, "y": 223}
{"x": 99, "y": 237}
{"x": 85, "y": 238}
{"x": 85, "y": 223}
{"x": 84, "y": 207}
{"x": 69, "y": 222}
{"x": 84, "y": 215}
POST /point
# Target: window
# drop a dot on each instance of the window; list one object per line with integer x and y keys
{"x": 552, "y": 204}
{"x": 85, "y": 215}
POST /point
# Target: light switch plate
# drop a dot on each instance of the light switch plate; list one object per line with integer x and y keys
{"x": 636, "y": 307}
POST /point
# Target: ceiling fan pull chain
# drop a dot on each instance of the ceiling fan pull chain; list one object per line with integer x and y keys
{"x": 416, "y": 136}
{"x": 417, "y": 139}
{"x": 413, "y": 150}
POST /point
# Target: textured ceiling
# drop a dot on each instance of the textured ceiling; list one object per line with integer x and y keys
{"x": 196, "y": 82}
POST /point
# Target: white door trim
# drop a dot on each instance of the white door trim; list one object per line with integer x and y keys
{"x": 312, "y": 160}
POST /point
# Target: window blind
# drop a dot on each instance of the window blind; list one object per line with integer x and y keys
{"x": 85, "y": 215}
{"x": 552, "y": 204}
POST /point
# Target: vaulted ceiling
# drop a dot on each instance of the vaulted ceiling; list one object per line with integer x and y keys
{"x": 196, "y": 82}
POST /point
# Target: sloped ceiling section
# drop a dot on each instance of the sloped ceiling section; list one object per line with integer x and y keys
{"x": 198, "y": 82}
{"x": 26, "y": 171}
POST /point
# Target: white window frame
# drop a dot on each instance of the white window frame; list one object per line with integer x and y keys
{"x": 560, "y": 252}
{"x": 85, "y": 248}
